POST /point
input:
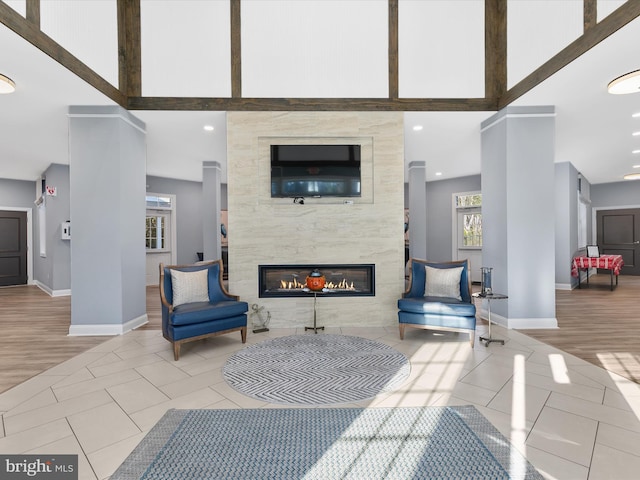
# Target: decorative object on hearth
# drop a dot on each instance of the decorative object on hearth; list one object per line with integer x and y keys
{"x": 316, "y": 369}
{"x": 486, "y": 280}
{"x": 315, "y": 280}
{"x": 266, "y": 443}
{"x": 259, "y": 322}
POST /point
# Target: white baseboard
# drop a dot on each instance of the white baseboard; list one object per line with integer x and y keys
{"x": 50, "y": 292}
{"x": 563, "y": 286}
{"x": 107, "y": 329}
{"x": 520, "y": 323}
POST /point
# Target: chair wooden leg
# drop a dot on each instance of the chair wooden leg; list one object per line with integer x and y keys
{"x": 176, "y": 351}
{"x": 472, "y": 337}
{"x": 243, "y": 334}
{"x": 401, "y": 326}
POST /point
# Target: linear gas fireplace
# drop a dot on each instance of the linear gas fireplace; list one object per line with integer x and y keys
{"x": 340, "y": 280}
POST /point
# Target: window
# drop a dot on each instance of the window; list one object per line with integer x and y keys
{"x": 156, "y": 232}
{"x": 469, "y": 220}
{"x": 158, "y": 202}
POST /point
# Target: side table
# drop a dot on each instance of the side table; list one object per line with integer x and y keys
{"x": 315, "y": 328}
{"x": 488, "y": 297}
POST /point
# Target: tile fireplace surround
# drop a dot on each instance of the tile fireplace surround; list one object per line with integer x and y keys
{"x": 323, "y": 231}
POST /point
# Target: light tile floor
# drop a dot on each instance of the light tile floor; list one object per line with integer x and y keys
{"x": 571, "y": 419}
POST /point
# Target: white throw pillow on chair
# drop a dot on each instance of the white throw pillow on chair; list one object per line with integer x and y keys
{"x": 442, "y": 282}
{"x": 190, "y": 287}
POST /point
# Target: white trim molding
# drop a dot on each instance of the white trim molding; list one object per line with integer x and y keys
{"x": 107, "y": 329}
{"x": 519, "y": 323}
{"x": 533, "y": 323}
{"x": 50, "y": 292}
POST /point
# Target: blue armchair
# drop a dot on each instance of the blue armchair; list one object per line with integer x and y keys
{"x": 196, "y": 305}
{"x": 438, "y": 297}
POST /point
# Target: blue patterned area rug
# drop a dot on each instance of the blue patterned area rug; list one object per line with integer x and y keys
{"x": 449, "y": 443}
{"x": 314, "y": 369}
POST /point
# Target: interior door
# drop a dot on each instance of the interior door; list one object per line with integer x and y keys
{"x": 13, "y": 248}
{"x": 158, "y": 243}
{"x": 618, "y": 233}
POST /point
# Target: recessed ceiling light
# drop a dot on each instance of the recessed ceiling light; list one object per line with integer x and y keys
{"x": 6, "y": 84}
{"x": 635, "y": 134}
{"x": 636, "y": 166}
{"x": 209, "y": 128}
{"x": 635, "y": 151}
{"x": 636, "y": 115}
{"x": 417, "y": 128}
{"x": 627, "y": 83}
{"x": 632, "y": 176}
{"x": 438, "y": 174}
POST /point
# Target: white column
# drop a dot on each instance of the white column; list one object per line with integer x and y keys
{"x": 417, "y": 210}
{"x": 518, "y": 214}
{"x": 107, "y": 176}
{"x": 211, "y": 174}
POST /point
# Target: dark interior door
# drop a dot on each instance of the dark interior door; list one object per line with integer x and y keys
{"x": 13, "y": 248}
{"x": 618, "y": 233}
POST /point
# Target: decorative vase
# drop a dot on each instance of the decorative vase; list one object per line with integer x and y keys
{"x": 486, "y": 280}
{"x": 315, "y": 280}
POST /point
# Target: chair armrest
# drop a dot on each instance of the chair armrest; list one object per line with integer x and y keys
{"x": 163, "y": 298}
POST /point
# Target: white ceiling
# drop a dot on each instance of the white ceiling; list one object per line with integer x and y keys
{"x": 593, "y": 128}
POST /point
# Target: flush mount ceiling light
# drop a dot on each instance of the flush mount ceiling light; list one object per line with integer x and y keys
{"x": 627, "y": 83}
{"x": 417, "y": 128}
{"x": 632, "y": 176}
{"x": 6, "y": 84}
{"x": 208, "y": 128}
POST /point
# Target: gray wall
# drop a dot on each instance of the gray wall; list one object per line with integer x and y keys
{"x": 566, "y": 237}
{"x": 54, "y": 270}
{"x": 619, "y": 194}
{"x": 189, "y": 210}
{"x": 17, "y": 193}
{"x": 439, "y": 220}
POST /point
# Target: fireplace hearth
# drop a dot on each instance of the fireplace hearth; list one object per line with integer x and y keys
{"x": 354, "y": 280}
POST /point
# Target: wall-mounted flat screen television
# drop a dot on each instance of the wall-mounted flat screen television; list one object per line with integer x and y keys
{"x": 315, "y": 170}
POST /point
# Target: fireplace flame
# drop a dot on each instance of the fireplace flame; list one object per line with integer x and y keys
{"x": 294, "y": 284}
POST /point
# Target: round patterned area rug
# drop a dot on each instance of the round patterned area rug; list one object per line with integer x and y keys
{"x": 316, "y": 369}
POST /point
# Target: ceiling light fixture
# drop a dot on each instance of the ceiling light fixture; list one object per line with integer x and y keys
{"x": 636, "y": 115}
{"x": 635, "y": 151}
{"x": 627, "y": 83}
{"x": 417, "y": 128}
{"x": 632, "y": 176}
{"x": 635, "y": 134}
{"x": 6, "y": 84}
{"x": 438, "y": 174}
{"x": 208, "y": 128}
{"x": 636, "y": 166}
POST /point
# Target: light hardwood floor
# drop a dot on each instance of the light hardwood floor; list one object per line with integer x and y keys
{"x": 596, "y": 324}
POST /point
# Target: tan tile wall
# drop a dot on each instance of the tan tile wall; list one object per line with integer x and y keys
{"x": 263, "y": 230}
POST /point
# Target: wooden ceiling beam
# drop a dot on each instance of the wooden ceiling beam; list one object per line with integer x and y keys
{"x": 129, "y": 48}
{"x": 394, "y": 87}
{"x": 33, "y": 13}
{"x": 590, "y": 14}
{"x": 312, "y": 104}
{"x": 32, "y": 34}
{"x": 626, "y": 13}
{"x": 236, "y": 49}
{"x": 495, "y": 48}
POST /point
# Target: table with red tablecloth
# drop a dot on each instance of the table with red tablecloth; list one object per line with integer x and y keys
{"x": 613, "y": 263}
